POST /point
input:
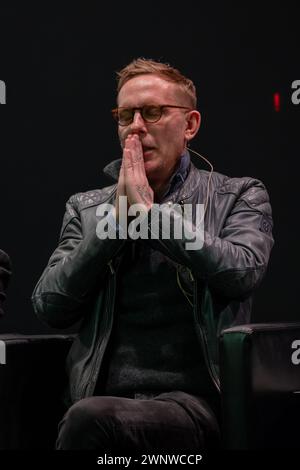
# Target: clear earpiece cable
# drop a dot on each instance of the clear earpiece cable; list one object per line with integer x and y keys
{"x": 209, "y": 177}
{"x": 188, "y": 295}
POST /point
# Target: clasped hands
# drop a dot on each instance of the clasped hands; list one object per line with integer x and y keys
{"x": 133, "y": 182}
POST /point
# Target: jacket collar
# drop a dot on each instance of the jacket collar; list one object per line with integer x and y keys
{"x": 112, "y": 169}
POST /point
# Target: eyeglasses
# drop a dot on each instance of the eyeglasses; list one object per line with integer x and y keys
{"x": 150, "y": 113}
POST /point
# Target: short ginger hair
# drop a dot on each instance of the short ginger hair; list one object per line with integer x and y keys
{"x": 142, "y": 66}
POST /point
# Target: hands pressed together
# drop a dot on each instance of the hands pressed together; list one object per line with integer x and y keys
{"x": 133, "y": 181}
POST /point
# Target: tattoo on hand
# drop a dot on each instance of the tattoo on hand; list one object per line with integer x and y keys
{"x": 137, "y": 159}
{"x": 144, "y": 193}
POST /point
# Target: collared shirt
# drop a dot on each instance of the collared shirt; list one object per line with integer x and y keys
{"x": 179, "y": 174}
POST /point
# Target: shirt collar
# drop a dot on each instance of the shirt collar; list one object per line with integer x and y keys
{"x": 179, "y": 175}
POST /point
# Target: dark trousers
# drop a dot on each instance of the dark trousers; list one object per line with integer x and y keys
{"x": 167, "y": 422}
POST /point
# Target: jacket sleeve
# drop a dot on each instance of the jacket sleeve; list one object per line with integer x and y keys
{"x": 5, "y": 273}
{"x": 234, "y": 262}
{"x": 75, "y": 269}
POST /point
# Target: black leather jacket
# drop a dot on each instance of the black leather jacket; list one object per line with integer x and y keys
{"x": 80, "y": 279}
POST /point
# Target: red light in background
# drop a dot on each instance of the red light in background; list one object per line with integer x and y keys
{"x": 276, "y": 102}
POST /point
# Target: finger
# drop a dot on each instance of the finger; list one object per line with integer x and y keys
{"x": 128, "y": 167}
{"x": 121, "y": 180}
{"x": 127, "y": 152}
{"x": 138, "y": 159}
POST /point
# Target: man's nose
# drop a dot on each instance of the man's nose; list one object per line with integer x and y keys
{"x": 138, "y": 123}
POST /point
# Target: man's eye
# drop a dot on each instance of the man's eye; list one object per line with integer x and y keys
{"x": 125, "y": 114}
{"x": 152, "y": 111}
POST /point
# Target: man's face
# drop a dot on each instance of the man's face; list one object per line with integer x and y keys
{"x": 163, "y": 142}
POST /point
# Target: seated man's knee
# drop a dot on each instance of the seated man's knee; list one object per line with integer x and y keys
{"x": 88, "y": 419}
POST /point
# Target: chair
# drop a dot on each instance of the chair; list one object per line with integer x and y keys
{"x": 260, "y": 387}
{"x": 32, "y": 379}
{"x": 260, "y": 384}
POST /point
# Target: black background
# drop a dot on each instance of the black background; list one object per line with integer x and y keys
{"x": 59, "y": 65}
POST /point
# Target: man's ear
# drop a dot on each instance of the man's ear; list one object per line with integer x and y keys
{"x": 193, "y": 122}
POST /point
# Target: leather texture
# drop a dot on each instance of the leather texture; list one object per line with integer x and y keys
{"x": 32, "y": 379}
{"x": 260, "y": 385}
{"x": 79, "y": 282}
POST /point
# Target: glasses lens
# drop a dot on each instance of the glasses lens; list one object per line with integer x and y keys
{"x": 125, "y": 116}
{"x": 151, "y": 113}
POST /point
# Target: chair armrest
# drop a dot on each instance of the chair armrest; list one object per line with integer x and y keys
{"x": 32, "y": 379}
{"x": 260, "y": 385}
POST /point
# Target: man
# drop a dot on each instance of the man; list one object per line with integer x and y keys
{"x": 143, "y": 371}
{"x": 5, "y": 272}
